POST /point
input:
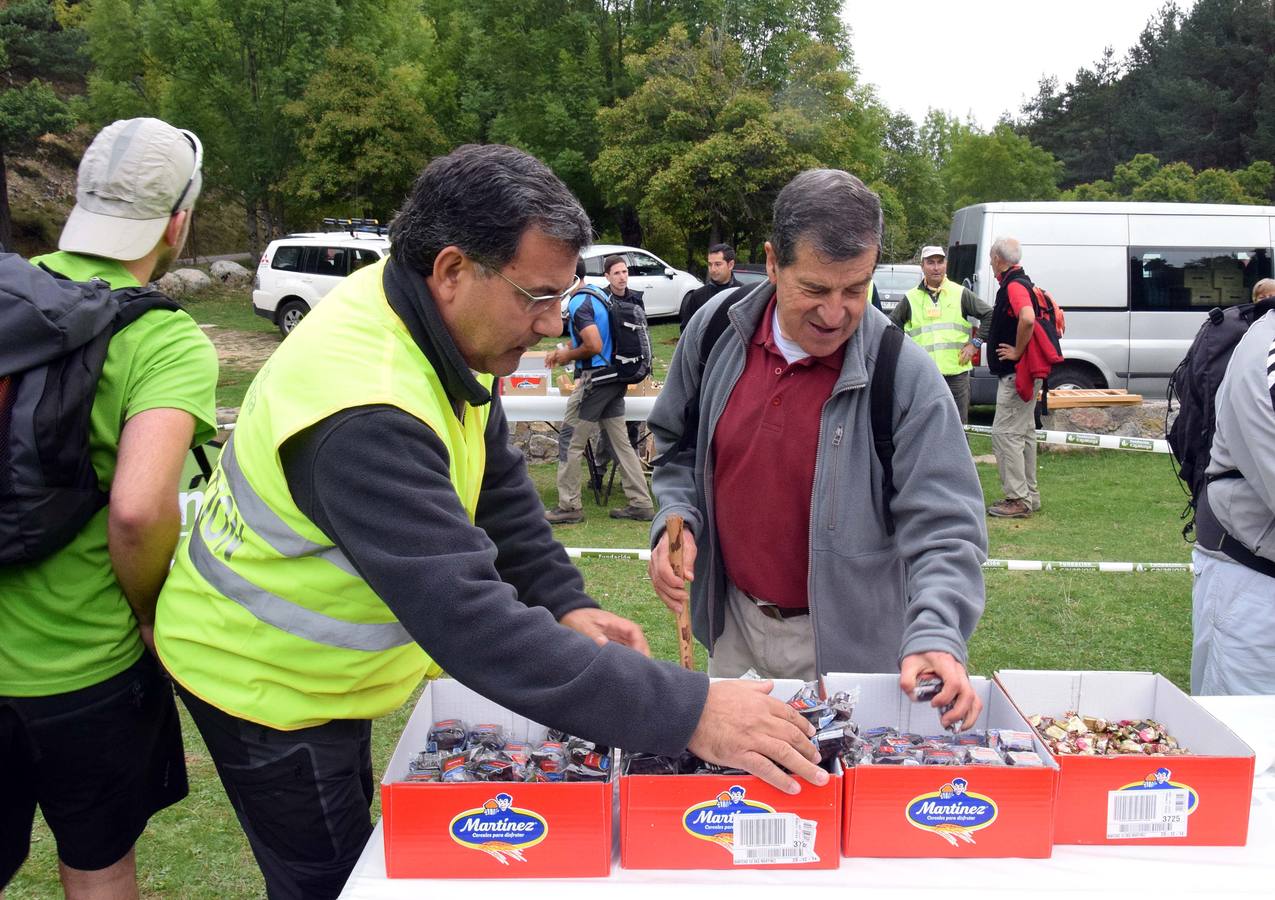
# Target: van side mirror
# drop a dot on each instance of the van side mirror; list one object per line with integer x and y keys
{"x": 669, "y": 271}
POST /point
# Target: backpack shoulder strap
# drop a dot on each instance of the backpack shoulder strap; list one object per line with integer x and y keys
{"x": 881, "y": 400}
{"x": 715, "y": 328}
{"x": 136, "y": 302}
{"x": 713, "y": 331}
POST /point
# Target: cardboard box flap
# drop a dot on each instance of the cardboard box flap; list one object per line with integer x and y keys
{"x": 447, "y": 698}
{"x": 1123, "y": 695}
{"x": 1208, "y": 735}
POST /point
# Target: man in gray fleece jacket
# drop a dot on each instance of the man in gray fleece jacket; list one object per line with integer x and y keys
{"x": 1233, "y": 600}
{"x": 795, "y": 571}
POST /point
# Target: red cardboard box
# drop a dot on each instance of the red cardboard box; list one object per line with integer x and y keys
{"x": 1205, "y": 796}
{"x": 531, "y": 376}
{"x": 690, "y": 821}
{"x": 488, "y": 829}
{"x": 956, "y": 811}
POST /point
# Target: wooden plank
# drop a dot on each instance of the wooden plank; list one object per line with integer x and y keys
{"x": 1076, "y": 399}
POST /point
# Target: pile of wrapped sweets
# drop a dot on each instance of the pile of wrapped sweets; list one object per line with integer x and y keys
{"x": 456, "y": 753}
{"x": 1075, "y": 735}
{"x": 838, "y": 736}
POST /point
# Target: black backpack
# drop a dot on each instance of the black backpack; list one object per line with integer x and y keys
{"x": 1193, "y": 385}
{"x": 54, "y": 335}
{"x": 630, "y": 361}
{"x": 881, "y": 397}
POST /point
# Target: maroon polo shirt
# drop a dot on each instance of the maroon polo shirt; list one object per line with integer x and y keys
{"x": 764, "y": 451}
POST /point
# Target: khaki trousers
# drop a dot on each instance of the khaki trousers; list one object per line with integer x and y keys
{"x": 1014, "y": 442}
{"x": 570, "y": 475}
{"x": 773, "y": 648}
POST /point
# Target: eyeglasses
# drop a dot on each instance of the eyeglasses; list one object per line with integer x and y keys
{"x": 194, "y": 173}
{"x": 539, "y": 303}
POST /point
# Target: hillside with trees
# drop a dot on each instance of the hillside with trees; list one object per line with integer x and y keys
{"x": 675, "y": 123}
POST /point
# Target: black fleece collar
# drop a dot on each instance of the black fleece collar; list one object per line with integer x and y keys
{"x": 409, "y": 297}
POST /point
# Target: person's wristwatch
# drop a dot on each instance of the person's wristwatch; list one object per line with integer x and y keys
{"x": 978, "y": 344}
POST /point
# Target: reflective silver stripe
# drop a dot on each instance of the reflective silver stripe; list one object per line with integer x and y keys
{"x": 265, "y": 522}
{"x": 288, "y": 616}
{"x": 937, "y": 326}
{"x": 944, "y": 346}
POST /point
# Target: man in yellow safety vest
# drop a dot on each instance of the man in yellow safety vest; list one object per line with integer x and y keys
{"x": 936, "y": 315}
{"x": 370, "y": 524}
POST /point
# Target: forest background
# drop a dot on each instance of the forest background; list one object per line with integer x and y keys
{"x": 675, "y": 123}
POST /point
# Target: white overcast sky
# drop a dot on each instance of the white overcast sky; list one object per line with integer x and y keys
{"x": 984, "y": 57}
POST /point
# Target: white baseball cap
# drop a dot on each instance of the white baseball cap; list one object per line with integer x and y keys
{"x": 133, "y": 177}
{"x": 927, "y": 252}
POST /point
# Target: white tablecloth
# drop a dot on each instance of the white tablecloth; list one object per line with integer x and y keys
{"x": 550, "y": 407}
{"x": 1072, "y": 872}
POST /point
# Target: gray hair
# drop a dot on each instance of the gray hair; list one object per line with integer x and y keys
{"x": 1263, "y": 289}
{"x": 482, "y": 199}
{"x": 1007, "y": 249}
{"x": 830, "y": 209}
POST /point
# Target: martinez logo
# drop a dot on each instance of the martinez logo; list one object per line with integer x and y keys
{"x": 1160, "y": 780}
{"x": 952, "y": 812}
{"x": 499, "y": 828}
{"x": 714, "y": 820}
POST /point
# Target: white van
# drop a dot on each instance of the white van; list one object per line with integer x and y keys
{"x": 1134, "y": 279}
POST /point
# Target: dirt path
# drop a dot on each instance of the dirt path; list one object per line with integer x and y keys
{"x": 241, "y": 349}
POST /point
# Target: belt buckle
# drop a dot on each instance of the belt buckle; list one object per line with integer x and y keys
{"x": 769, "y": 610}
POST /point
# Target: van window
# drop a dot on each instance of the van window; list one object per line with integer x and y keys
{"x": 593, "y": 266}
{"x": 1185, "y": 279}
{"x": 962, "y": 263}
{"x": 287, "y": 258}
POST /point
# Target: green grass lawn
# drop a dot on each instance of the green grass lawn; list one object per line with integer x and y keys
{"x": 228, "y": 307}
{"x": 1098, "y": 505}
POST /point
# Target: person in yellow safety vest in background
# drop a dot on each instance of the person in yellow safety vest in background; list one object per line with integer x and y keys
{"x": 936, "y": 315}
{"x": 370, "y": 522}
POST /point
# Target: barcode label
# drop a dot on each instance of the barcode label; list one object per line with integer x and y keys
{"x": 768, "y": 838}
{"x": 1147, "y": 813}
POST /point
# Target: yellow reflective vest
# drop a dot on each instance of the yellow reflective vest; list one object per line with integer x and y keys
{"x": 940, "y": 328}
{"x": 262, "y": 616}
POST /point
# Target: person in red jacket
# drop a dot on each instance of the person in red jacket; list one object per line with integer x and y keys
{"x": 1014, "y": 427}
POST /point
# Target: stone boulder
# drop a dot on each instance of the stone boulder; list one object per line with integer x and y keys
{"x": 230, "y": 273}
{"x": 183, "y": 281}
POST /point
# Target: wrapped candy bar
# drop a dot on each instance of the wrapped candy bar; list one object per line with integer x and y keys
{"x": 1024, "y": 758}
{"x": 1007, "y": 739}
{"x": 490, "y": 736}
{"x": 981, "y": 756}
{"x": 648, "y": 764}
{"x": 447, "y": 735}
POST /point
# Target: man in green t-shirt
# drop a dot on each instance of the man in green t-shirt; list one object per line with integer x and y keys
{"x": 88, "y": 727}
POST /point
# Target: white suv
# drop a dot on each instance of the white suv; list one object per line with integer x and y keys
{"x": 297, "y": 271}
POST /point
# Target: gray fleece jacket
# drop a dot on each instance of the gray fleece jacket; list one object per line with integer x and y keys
{"x": 873, "y": 598}
{"x": 1244, "y": 441}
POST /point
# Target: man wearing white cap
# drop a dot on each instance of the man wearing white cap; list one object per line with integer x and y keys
{"x": 88, "y": 726}
{"x": 936, "y": 315}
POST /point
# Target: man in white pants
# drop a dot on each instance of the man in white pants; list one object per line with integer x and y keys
{"x": 1233, "y": 601}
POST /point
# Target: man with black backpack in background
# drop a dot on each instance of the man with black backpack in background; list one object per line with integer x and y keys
{"x": 88, "y": 727}
{"x": 601, "y": 405}
{"x": 1233, "y": 616}
{"x": 833, "y": 514}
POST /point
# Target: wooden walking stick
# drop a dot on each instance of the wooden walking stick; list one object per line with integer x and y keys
{"x": 685, "y": 651}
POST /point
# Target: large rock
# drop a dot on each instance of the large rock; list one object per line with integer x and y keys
{"x": 1146, "y": 421}
{"x": 230, "y": 272}
{"x": 183, "y": 281}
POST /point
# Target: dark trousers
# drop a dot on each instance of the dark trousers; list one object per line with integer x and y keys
{"x": 302, "y": 797}
{"x": 959, "y": 385}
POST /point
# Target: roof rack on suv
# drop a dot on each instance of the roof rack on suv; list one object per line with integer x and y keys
{"x": 355, "y": 226}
